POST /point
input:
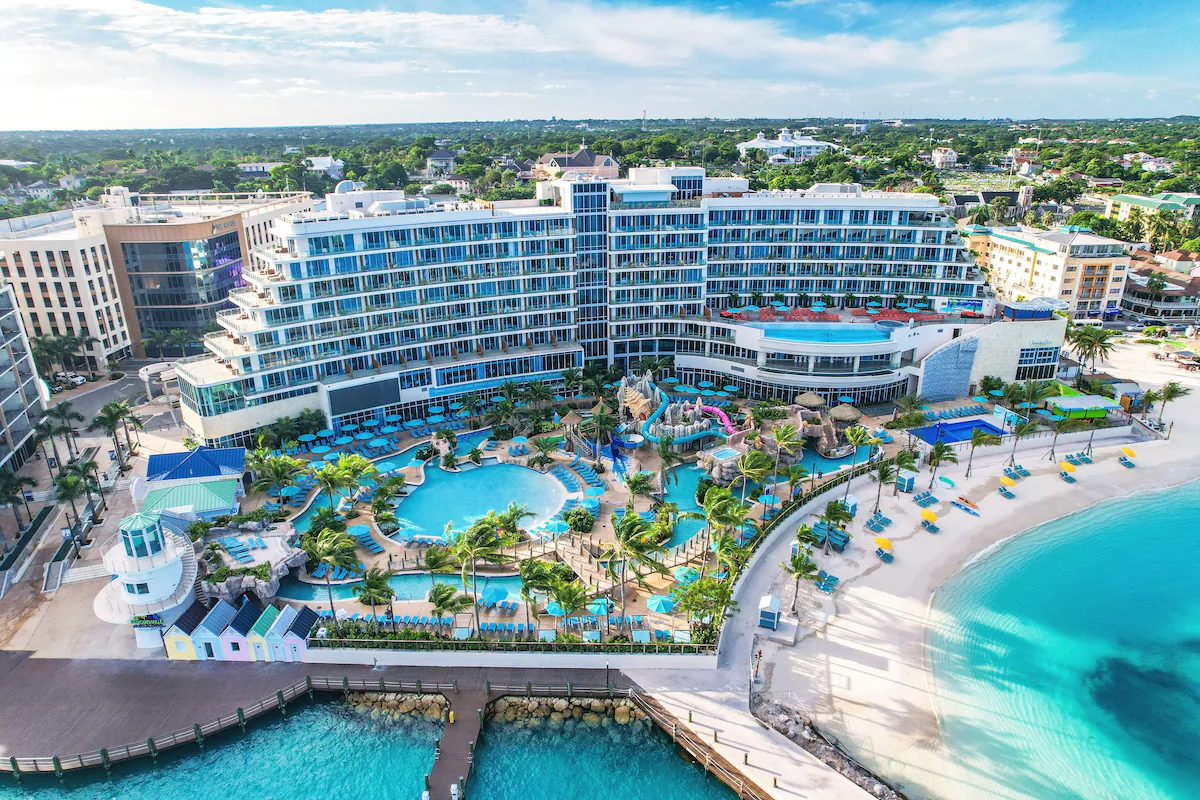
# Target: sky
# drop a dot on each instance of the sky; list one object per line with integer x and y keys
{"x": 70, "y": 64}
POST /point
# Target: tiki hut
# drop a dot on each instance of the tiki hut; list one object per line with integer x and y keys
{"x": 572, "y": 420}
{"x": 810, "y": 400}
{"x": 845, "y": 415}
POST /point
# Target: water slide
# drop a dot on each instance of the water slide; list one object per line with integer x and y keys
{"x": 691, "y": 437}
{"x": 618, "y": 458}
{"x": 721, "y": 415}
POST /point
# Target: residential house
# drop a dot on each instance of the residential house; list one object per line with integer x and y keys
{"x": 38, "y": 190}
{"x": 178, "y": 638}
{"x": 259, "y": 169}
{"x": 235, "y": 645}
{"x": 326, "y": 165}
{"x": 1184, "y": 261}
{"x": 582, "y": 162}
{"x": 273, "y": 638}
{"x": 1094, "y": 182}
{"x": 461, "y": 183}
{"x": 206, "y": 638}
{"x": 944, "y": 158}
{"x": 441, "y": 162}
{"x": 256, "y": 639}
{"x": 72, "y": 182}
{"x": 799, "y": 148}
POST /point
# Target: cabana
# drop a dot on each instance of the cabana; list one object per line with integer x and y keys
{"x": 234, "y": 644}
{"x": 206, "y": 639}
{"x": 295, "y": 638}
{"x": 1083, "y": 406}
{"x": 256, "y": 639}
{"x": 178, "y": 638}
{"x": 275, "y": 633}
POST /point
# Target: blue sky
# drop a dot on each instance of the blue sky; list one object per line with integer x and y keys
{"x": 159, "y": 63}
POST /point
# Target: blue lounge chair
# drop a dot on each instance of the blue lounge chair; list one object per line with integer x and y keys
{"x": 1066, "y": 476}
{"x": 1011, "y": 473}
{"x": 1126, "y": 462}
{"x": 1005, "y": 493}
{"x": 884, "y": 555}
{"x": 1071, "y": 459}
{"x": 874, "y": 527}
{"x": 1024, "y": 473}
{"x": 929, "y": 526}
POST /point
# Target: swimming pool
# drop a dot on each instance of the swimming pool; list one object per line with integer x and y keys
{"x": 835, "y": 332}
{"x": 956, "y": 431}
{"x": 409, "y": 586}
{"x": 725, "y": 452}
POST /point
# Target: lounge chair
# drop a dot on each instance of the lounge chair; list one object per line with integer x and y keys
{"x": 884, "y": 555}
{"x": 1071, "y": 459}
{"x": 929, "y": 526}
{"x": 1011, "y": 474}
{"x": 1066, "y": 476}
{"x": 1126, "y": 462}
{"x": 881, "y": 519}
{"x": 639, "y": 637}
{"x": 1024, "y": 473}
{"x": 1005, "y": 493}
{"x": 1084, "y": 458}
{"x": 874, "y": 526}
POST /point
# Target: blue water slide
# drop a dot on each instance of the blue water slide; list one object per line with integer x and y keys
{"x": 658, "y": 412}
{"x": 614, "y": 450}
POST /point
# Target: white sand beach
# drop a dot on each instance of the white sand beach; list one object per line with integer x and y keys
{"x": 859, "y": 668}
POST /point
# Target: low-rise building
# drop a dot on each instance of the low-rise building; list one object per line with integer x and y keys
{"x": 1085, "y": 271}
{"x": 1183, "y": 261}
{"x": 1182, "y": 204}
{"x": 582, "y": 162}
{"x": 460, "y": 183}
{"x": 944, "y": 158}
{"x": 1161, "y": 296}
{"x": 798, "y": 148}
{"x": 259, "y": 169}
{"x": 441, "y": 162}
{"x": 326, "y": 165}
{"x": 154, "y": 569}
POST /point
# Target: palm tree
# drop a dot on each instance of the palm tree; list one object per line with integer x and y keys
{"x": 374, "y": 590}
{"x": 276, "y": 472}
{"x": 545, "y": 446}
{"x": 835, "y": 515}
{"x": 570, "y": 595}
{"x": 572, "y": 379}
{"x": 940, "y": 453}
{"x": 472, "y": 403}
{"x": 1014, "y": 395}
{"x": 752, "y": 466}
{"x": 65, "y": 414}
{"x": 593, "y": 387}
{"x": 1020, "y": 430}
{"x": 334, "y": 549}
{"x": 639, "y": 484}
{"x": 980, "y": 438}
{"x": 68, "y": 489}
{"x": 536, "y": 576}
{"x": 858, "y": 436}
{"x": 12, "y": 492}
{"x": 158, "y": 338}
{"x": 668, "y": 459}
{"x": 330, "y": 480}
{"x": 1065, "y": 426}
{"x": 508, "y": 521}
{"x": 909, "y": 402}
{"x": 356, "y": 470}
{"x": 111, "y": 419}
{"x": 787, "y": 440}
{"x": 477, "y": 543}
{"x": 634, "y": 550}
{"x": 884, "y": 474}
{"x": 45, "y": 430}
{"x": 602, "y": 426}
{"x": 1171, "y": 390}
{"x": 537, "y": 393}
{"x": 795, "y": 476}
{"x": 86, "y": 471}
{"x": 800, "y": 567}
{"x": 438, "y": 559}
{"x": 1149, "y": 398}
{"x": 447, "y": 601}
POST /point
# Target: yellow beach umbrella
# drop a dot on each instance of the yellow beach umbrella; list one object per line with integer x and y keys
{"x": 1007, "y": 481}
{"x": 1067, "y": 466}
{"x": 886, "y": 544}
{"x": 928, "y": 516}
{"x": 1129, "y": 452}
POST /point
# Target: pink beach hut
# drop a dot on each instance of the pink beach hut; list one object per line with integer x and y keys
{"x": 234, "y": 645}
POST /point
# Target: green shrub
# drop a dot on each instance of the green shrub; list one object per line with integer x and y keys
{"x": 579, "y": 520}
{"x": 702, "y": 489}
{"x": 909, "y": 419}
{"x": 502, "y": 432}
{"x": 424, "y": 453}
{"x": 261, "y": 571}
{"x": 198, "y": 529}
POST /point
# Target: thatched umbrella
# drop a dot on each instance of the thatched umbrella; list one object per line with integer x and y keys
{"x": 572, "y": 420}
{"x": 845, "y": 415}
{"x": 810, "y": 400}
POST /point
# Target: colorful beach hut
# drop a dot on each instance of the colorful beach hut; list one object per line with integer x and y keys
{"x": 234, "y": 644}
{"x": 256, "y": 639}
{"x": 295, "y": 639}
{"x": 206, "y": 639}
{"x": 178, "y": 638}
{"x": 274, "y": 637}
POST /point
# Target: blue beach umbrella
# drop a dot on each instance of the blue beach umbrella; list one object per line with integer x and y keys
{"x": 752, "y": 309}
{"x": 687, "y": 390}
{"x": 558, "y": 398}
{"x": 290, "y": 491}
{"x": 660, "y": 604}
{"x": 388, "y": 429}
{"x": 393, "y": 418}
{"x": 910, "y": 309}
{"x": 494, "y": 595}
{"x": 358, "y": 530}
{"x": 364, "y": 436}
{"x": 874, "y": 304}
{"x": 496, "y": 398}
{"x": 343, "y": 440}
{"x": 436, "y": 409}
{"x": 348, "y": 427}
{"x": 722, "y": 394}
{"x": 845, "y": 398}
{"x": 378, "y": 443}
{"x": 708, "y": 393}
{"x": 686, "y": 575}
{"x": 594, "y": 491}
{"x": 386, "y": 466}
{"x": 462, "y": 414}
{"x": 455, "y": 406}
{"x": 370, "y": 423}
{"x": 1025, "y": 404}
{"x": 601, "y": 606}
{"x": 321, "y": 448}
{"x": 706, "y": 384}
{"x": 556, "y": 526}
{"x": 996, "y": 393}
{"x": 306, "y": 437}
{"x": 730, "y": 388}
{"x": 436, "y": 418}
{"x": 872, "y": 311}
{"x": 520, "y": 439}
{"x": 670, "y": 380}
{"x": 325, "y": 433}
{"x": 334, "y": 456}
{"x": 979, "y": 399}
{"x": 590, "y": 504}
{"x": 554, "y": 609}
{"x": 768, "y": 500}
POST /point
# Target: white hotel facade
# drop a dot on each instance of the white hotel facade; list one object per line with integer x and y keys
{"x": 386, "y": 304}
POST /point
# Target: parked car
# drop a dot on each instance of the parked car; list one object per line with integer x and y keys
{"x": 74, "y": 379}
{"x": 1136, "y": 326}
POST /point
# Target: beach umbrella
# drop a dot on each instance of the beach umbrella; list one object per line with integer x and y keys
{"x": 496, "y": 398}
{"x": 706, "y": 384}
{"x": 1067, "y": 466}
{"x": 455, "y": 406}
{"x": 686, "y": 575}
{"x": 557, "y": 526}
{"x": 910, "y": 309}
{"x": 687, "y": 390}
{"x": 520, "y": 439}
{"x": 306, "y": 437}
{"x": 752, "y": 308}
{"x": 660, "y": 604}
{"x": 996, "y": 393}
{"x": 928, "y": 516}
{"x": 599, "y": 606}
{"x": 358, "y": 530}
{"x": 845, "y": 399}
{"x": 1007, "y": 481}
{"x": 730, "y": 388}
{"x": 874, "y": 304}
{"x": 364, "y": 436}
{"x": 386, "y": 466}
{"x": 886, "y": 544}
{"x": 594, "y": 491}
{"x": 325, "y": 433}
{"x": 558, "y": 398}
{"x": 393, "y": 418}
{"x": 590, "y": 504}
{"x": 378, "y": 443}
{"x": 1045, "y": 412}
{"x": 670, "y": 380}
{"x": 768, "y": 500}
{"x": 290, "y": 491}
{"x": 321, "y": 448}
{"x": 436, "y": 409}
{"x": 921, "y": 305}
{"x": 348, "y": 427}
{"x": 1025, "y": 404}
{"x": 343, "y": 440}
{"x": 334, "y": 456}
{"x": 414, "y": 423}
{"x": 388, "y": 429}
{"x": 872, "y": 311}
{"x": 1129, "y": 452}
{"x": 370, "y": 423}
{"x": 554, "y": 609}
{"x": 945, "y": 480}
{"x": 436, "y": 418}
{"x": 494, "y": 595}
{"x": 1056, "y": 417}
{"x": 708, "y": 393}
{"x": 979, "y": 399}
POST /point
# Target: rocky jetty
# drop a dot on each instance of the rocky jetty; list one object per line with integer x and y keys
{"x": 395, "y": 705}
{"x": 554, "y": 711}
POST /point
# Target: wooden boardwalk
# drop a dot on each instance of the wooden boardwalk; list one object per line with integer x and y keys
{"x": 456, "y": 751}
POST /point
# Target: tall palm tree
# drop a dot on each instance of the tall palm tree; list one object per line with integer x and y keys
{"x": 602, "y": 426}
{"x": 438, "y": 559}
{"x": 940, "y": 453}
{"x": 633, "y": 550}
{"x": 787, "y": 440}
{"x": 45, "y": 430}
{"x": 111, "y": 419}
{"x": 1149, "y": 398}
{"x": 1019, "y": 431}
{"x": 545, "y": 446}
{"x": 909, "y": 402}
{"x": 1171, "y": 390}
{"x": 639, "y": 484}
{"x": 722, "y": 513}
{"x": 374, "y": 590}
{"x": 276, "y": 472}
{"x": 69, "y": 488}
{"x": 477, "y": 543}
{"x": 668, "y": 459}
{"x": 536, "y": 576}
{"x": 446, "y": 601}
{"x": 572, "y": 379}
{"x": 330, "y": 480}
{"x": 884, "y": 474}
{"x": 858, "y": 436}
{"x": 800, "y": 567}
{"x": 66, "y": 416}
{"x": 86, "y": 471}
{"x": 795, "y": 476}
{"x": 990, "y": 383}
{"x": 1014, "y": 395}
{"x": 593, "y": 387}
{"x": 12, "y": 493}
{"x": 508, "y": 521}
{"x": 905, "y": 461}
{"x": 980, "y": 438}
{"x": 356, "y": 470}
{"x": 752, "y": 467}
{"x": 334, "y": 549}
{"x": 1064, "y": 426}
{"x": 537, "y": 393}
{"x": 472, "y": 403}
{"x": 835, "y": 515}
{"x": 570, "y": 596}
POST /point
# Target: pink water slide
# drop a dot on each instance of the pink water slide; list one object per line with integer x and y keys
{"x": 721, "y": 415}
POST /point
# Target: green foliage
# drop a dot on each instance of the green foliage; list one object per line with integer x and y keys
{"x": 223, "y": 573}
{"x": 198, "y": 529}
{"x": 702, "y": 488}
{"x": 579, "y": 520}
{"x": 909, "y": 419}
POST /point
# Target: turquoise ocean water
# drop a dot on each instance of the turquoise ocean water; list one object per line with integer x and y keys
{"x": 1067, "y": 663}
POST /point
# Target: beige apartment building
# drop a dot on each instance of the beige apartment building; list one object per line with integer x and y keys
{"x": 136, "y": 262}
{"x": 1085, "y": 271}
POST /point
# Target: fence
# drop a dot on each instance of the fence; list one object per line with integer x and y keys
{"x": 472, "y": 645}
{"x": 693, "y": 745}
{"x": 106, "y": 757}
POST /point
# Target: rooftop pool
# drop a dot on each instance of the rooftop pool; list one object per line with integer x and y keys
{"x": 836, "y": 332}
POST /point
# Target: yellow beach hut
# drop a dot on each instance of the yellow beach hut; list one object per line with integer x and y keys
{"x": 256, "y": 639}
{"x": 178, "y": 638}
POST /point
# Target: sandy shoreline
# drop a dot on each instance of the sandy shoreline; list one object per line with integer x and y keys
{"x": 860, "y": 669}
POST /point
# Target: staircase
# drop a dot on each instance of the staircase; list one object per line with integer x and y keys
{"x": 89, "y": 572}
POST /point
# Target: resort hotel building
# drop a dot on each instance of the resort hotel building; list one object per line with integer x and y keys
{"x": 382, "y": 304}
{"x": 1086, "y": 272}
{"x": 134, "y": 263}
{"x": 21, "y": 398}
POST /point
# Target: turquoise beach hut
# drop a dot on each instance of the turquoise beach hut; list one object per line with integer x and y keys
{"x": 206, "y": 639}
